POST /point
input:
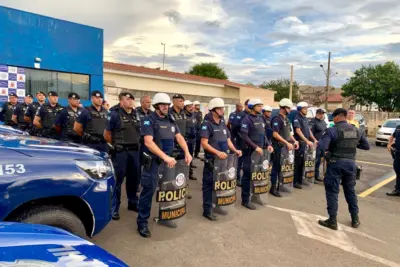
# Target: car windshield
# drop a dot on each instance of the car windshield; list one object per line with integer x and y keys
{"x": 330, "y": 116}
{"x": 391, "y": 124}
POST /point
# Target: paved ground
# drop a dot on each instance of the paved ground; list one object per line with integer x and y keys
{"x": 284, "y": 233}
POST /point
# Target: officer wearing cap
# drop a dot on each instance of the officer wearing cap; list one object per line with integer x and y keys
{"x": 394, "y": 147}
{"x": 341, "y": 141}
{"x": 304, "y": 136}
{"x": 8, "y": 109}
{"x": 178, "y": 113}
{"x": 266, "y": 115}
{"x": 46, "y": 116}
{"x": 216, "y": 142}
{"x": 65, "y": 120}
{"x": 191, "y": 133}
{"x": 91, "y": 123}
{"x": 19, "y": 111}
{"x": 252, "y": 132}
{"x": 198, "y": 114}
{"x": 318, "y": 127}
{"x": 160, "y": 132}
{"x": 123, "y": 136}
{"x": 30, "y": 113}
{"x": 281, "y": 137}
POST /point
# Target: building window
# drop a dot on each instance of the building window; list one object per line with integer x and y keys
{"x": 61, "y": 82}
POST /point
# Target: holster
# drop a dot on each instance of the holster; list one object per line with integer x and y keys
{"x": 209, "y": 163}
{"x": 146, "y": 161}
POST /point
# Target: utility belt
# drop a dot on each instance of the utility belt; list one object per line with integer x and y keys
{"x": 333, "y": 158}
{"x": 121, "y": 148}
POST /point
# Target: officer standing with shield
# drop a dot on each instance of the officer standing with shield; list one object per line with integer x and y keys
{"x": 199, "y": 118}
{"x": 216, "y": 142}
{"x": 191, "y": 132}
{"x": 19, "y": 112}
{"x": 65, "y": 120}
{"x": 303, "y": 135}
{"x": 30, "y": 113}
{"x": 394, "y": 143}
{"x": 252, "y": 132}
{"x": 281, "y": 138}
{"x": 91, "y": 123}
{"x": 123, "y": 136}
{"x": 341, "y": 141}
{"x": 159, "y": 131}
{"x": 46, "y": 116}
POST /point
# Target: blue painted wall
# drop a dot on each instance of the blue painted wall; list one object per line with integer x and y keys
{"x": 62, "y": 46}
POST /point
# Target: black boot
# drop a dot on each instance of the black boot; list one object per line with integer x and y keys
{"x": 355, "y": 221}
{"x": 144, "y": 232}
{"x": 274, "y": 191}
{"x": 394, "y": 193}
{"x": 210, "y": 216}
{"x": 329, "y": 223}
{"x": 249, "y": 205}
{"x": 133, "y": 207}
{"x": 115, "y": 216}
{"x": 298, "y": 186}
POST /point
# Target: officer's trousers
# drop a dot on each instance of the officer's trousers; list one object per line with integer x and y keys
{"x": 276, "y": 167}
{"x": 126, "y": 164}
{"x": 148, "y": 181}
{"x": 207, "y": 189}
{"x": 197, "y": 147}
{"x": 341, "y": 171}
{"x": 191, "y": 146}
{"x": 299, "y": 163}
{"x": 396, "y": 166}
{"x": 246, "y": 175}
{"x": 319, "y": 155}
{"x": 239, "y": 145}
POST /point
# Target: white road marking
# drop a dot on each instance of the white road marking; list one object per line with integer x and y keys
{"x": 306, "y": 225}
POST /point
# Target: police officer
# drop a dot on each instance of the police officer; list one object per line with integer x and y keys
{"x": 30, "y": 113}
{"x": 191, "y": 132}
{"x": 65, "y": 120}
{"x": 179, "y": 115}
{"x": 8, "y": 109}
{"x": 281, "y": 137}
{"x": 91, "y": 123}
{"x": 216, "y": 142}
{"x": 341, "y": 141}
{"x": 267, "y": 112}
{"x": 160, "y": 132}
{"x": 199, "y": 118}
{"x": 144, "y": 109}
{"x": 304, "y": 136}
{"x": 394, "y": 143}
{"x": 318, "y": 127}
{"x": 46, "y": 116}
{"x": 252, "y": 132}
{"x": 123, "y": 135}
{"x": 232, "y": 116}
{"x": 19, "y": 111}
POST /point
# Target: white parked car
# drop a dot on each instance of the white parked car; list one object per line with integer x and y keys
{"x": 385, "y": 131}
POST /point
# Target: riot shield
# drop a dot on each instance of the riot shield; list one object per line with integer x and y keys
{"x": 260, "y": 179}
{"x": 171, "y": 193}
{"x": 286, "y": 177}
{"x": 224, "y": 186}
{"x": 309, "y": 166}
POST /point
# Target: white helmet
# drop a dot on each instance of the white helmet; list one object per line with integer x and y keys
{"x": 253, "y": 102}
{"x": 302, "y": 105}
{"x": 286, "y": 102}
{"x": 187, "y": 103}
{"x": 267, "y": 108}
{"x": 216, "y": 103}
{"x": 161, "y": 98}
{"x": 196, "y": 103}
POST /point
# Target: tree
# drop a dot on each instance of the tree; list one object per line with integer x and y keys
{"x": 317, "y": 98}
{"x": 282, "y": 89}
{"x": 378, "y": 84}
{"x": 211, "y": 70}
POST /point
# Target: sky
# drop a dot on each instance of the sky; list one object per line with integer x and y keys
{"x": 253, "y": 40}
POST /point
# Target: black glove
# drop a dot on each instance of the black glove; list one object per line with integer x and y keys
{"x": 90, "y": 139}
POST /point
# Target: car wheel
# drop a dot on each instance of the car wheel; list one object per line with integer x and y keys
{"x": 54, "y": 216}
{"x": 378, "y": 143}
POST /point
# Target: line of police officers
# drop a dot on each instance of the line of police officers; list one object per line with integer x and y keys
{"x": 140, "y": 140}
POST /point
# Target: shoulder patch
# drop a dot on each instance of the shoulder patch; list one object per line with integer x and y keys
{"x": 204, "y": 127}
{"x": 244, "y": 125}
{"x": 275, "y": 124}
{"x": 146, "y": 123}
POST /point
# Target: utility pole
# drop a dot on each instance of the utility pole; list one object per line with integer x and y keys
{"x": 291, "y": 82}
{"x": 327, "y": 81}
{"x": 163, "y": 61}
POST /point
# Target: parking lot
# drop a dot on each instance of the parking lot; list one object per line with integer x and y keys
{"x": 284, "y": 233}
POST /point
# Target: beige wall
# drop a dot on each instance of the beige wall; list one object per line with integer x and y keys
{"x": 267, "y": 96}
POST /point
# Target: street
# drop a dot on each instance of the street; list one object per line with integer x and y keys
{"x": 284, "y": 233}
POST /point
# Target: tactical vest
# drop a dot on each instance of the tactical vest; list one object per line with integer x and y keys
{"x": 140, "y": 114}
{"x": 199, "y": 117}
{"x": 191, "y": 125}
{"x": 98, "y": 123}
{"x": 257, "y": 133}
{"x": 180, "y": 120}
{"x": 8, "y": 114}
{"x": 346, "y": 144}
{"x": 397, "y": 136}
{"x": 50, "y": 115}
{"x": 35, "y": 107}
{"x": 164, "y": 135}
{"x": 20, "y": 116}
{"x": 219, "y": 137}
{"x": 128, "y": 134}
{"x": 72, "y": 115}
{"x": 285, "y": 131}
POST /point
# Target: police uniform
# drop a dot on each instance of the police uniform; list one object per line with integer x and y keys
{"x": 181, "y": 121}
{"x": 125, "y": 133}
{"x": 318, "y": 127}
{"x": 300, "y": 121}
{"x": 396, "y": 162}
{"x": 191, "y": 133}
{"x": 7, "y": 112}
{"x": 19, "y": 112}
{"x": 66, "y": 119}
{"x": 341, "y": 141}
{"x": 217, "y": 135}
{"x": 163, "y": 131}
{"x": 141, "y": 114}
{"x": 239, "y": 143}
{"x": 94, "y": 122}
{"x": 268, "y": 128}
{"x": 253, "y": 134}
{"x": 47, "y": 114}
{"x": 199, "y": 119}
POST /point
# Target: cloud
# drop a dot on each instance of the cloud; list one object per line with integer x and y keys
{"x": 280, "y": 42}
{"x": 248, "y": 59}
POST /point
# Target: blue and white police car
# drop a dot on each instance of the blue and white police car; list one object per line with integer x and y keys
{"x": 45, "y": 181}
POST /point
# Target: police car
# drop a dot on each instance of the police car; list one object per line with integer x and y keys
{"x": 45, "y": 181}
{"x": 23, "y": 245}
{"x": 8, "y": 129}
